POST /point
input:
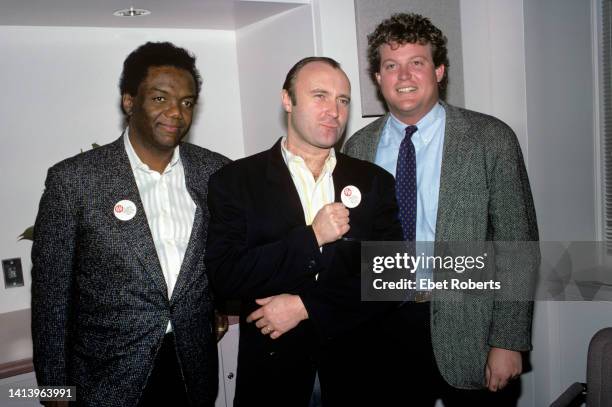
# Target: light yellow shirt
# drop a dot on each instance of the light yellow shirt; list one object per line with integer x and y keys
{"x": 314, "y": 194}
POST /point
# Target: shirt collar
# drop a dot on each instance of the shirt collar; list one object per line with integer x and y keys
{"x": 290, "y": 158}
{"x": 136, "y": 162}
{"x": 422, "y": 125}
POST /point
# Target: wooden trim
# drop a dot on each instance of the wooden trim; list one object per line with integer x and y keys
{"x": 16, "y": 368}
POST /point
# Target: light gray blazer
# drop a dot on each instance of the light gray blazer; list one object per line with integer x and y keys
{"x": 484, "y": 196}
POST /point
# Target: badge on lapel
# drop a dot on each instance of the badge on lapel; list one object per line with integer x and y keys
{"x": 124, "y": 210}
{"x": 351, "y": 196}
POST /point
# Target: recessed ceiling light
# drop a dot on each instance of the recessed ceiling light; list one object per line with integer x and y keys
{"x": 131, "y": 12}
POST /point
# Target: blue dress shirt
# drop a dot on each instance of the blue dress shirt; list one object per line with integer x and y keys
{"x": 428, "y": 144}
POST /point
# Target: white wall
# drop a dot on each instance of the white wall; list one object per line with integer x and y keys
{"x": 560, "y": 94}
{"x": 560, "y": 116}
{"x": 266, "y": 51}
{"x": 61, "y": 94}
{"x": 494, "y": 61}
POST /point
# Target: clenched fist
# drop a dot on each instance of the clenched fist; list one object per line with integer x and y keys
{"x": 331, "y": 223}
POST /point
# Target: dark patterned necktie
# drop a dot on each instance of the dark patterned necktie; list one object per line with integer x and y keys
{"x": 406, "y": 185}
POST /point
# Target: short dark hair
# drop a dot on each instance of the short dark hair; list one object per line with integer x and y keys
{"x": 152, "y": 54}
{"x": 289, "y": 84}
{"x": 408, "y": 28}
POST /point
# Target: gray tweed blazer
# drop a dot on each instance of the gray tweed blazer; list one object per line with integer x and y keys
{"x": 484, "y": 196}
{"x": 99, "y": 300}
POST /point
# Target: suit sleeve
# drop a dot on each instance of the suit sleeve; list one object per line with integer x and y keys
{"x": 336, "y": 306}
{"x": 515, "y": 234}
{"x": 52, "y": 281}
{"x": 239, "y": 270}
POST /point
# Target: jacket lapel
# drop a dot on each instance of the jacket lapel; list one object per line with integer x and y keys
{"x": 279, "y": 177}
{"x": 455, "y": 160}
{"x": 374, "y": 135}
{"x": 195, "y": 248}
{"x": 136, "y": 232}
{"x": 342, "y": 178}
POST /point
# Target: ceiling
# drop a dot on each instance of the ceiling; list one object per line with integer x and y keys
{"x": 200, "y": 14}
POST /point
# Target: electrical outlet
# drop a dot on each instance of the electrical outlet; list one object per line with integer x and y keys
{"x": 13, "y": 274}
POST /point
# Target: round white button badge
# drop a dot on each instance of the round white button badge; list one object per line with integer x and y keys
{"x": 351, "y": 196}
{"x": 124, "y": 210}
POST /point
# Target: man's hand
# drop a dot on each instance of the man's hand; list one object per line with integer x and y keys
{"x": 278, "y": 314}
{"x": 331, "y": 223}
{"x": 502, "y": 365}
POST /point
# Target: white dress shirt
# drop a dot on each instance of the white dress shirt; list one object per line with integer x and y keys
{"x": 169, "y": 208}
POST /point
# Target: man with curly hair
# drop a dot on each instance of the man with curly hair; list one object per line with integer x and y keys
{"x": 460, "y": 176}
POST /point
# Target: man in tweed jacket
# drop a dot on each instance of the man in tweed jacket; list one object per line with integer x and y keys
{"x": 121, "y": 306}
{"x": 471, "y": 186}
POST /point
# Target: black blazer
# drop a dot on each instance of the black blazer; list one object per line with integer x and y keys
{"x": 99, "y": 299}
{"x": 259, "y": 245}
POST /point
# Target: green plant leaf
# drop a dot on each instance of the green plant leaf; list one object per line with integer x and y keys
{"x": 27, "y": 234}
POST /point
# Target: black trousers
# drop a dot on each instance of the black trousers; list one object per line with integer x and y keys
{"x": 281, "y": 373}
{"x": 407, "y": 373}
{"x": 165, "y": 386}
